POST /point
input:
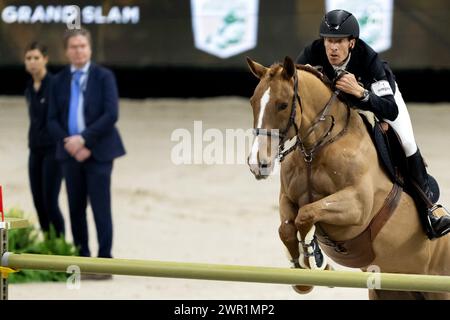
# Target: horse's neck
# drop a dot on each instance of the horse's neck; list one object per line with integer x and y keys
{"x": 314, "y": 98}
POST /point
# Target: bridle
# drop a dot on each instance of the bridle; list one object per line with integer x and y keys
{"x": 307, "y": 153}
{"x": 283, "y": 133}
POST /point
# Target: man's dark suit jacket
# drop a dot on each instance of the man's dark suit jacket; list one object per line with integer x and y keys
{"x": 100, "y": 113}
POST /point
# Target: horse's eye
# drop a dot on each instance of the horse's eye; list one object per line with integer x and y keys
{"x": 282, "y": 106}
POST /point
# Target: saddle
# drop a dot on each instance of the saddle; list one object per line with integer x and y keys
{"x": 393, "y": 158}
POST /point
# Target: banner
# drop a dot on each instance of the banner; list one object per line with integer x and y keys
{"x": 219, "y": 34}
{"x": 45, "y": 14}
{"x": 224, "y": 28}
{"x": 374, "y": 17}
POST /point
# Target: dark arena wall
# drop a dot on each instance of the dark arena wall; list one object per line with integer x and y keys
{"x": 184, "y": 82}
{"x": 153, "y": 46}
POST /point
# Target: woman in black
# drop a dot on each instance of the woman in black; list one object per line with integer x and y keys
{"x": 43, "y": 169}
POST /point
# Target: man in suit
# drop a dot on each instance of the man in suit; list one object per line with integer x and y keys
{"x": 82, "y": 115}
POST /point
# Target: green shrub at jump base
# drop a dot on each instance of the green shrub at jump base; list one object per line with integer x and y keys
{"x": 32, "y": 240}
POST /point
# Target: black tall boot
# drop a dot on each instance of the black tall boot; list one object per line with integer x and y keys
{"x": 418, "y": 173}
{"x": 435, "y": 227}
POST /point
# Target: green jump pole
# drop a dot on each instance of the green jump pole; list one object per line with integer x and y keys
{"x": 385, "y": 281}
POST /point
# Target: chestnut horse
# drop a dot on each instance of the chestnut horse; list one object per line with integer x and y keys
{"x": 333, "y": 188}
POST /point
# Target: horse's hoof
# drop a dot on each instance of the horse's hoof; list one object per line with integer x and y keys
{"x": 302, "y": 289}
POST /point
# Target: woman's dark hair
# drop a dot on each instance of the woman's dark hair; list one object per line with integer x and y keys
{"x": 35, "y": 45}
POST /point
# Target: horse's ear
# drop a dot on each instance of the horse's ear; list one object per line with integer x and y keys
{"x": 257, "y": 69}
{"x": 288, "y": 68}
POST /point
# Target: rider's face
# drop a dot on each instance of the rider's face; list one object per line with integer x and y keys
{"x": 337, "y": 49}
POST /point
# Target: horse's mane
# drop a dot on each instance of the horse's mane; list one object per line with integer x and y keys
{"x": 277, "y": 66}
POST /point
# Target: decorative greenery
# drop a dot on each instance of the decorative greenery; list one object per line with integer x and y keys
{"x": 31, "y": 240}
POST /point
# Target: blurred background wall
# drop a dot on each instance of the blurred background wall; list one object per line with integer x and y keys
{"x": 155, "y": 51}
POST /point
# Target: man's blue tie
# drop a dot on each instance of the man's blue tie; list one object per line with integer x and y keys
{"x": 74, "y": 98}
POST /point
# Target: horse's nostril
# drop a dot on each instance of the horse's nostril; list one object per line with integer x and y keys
{"x": 264, "y": 165}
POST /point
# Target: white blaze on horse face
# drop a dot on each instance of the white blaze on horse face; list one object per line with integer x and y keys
{"x": 263, "y": 103}
{"x": 253, "y": 161}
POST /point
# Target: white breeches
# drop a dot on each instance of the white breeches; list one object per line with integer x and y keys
{"x": 402, "y": 125}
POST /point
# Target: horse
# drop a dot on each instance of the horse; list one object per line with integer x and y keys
{"x": 334, "y": 193}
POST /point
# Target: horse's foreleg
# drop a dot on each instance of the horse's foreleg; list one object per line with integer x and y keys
{"x": 288, "y": 230}
{"x": 346, "y": 208}
{"x": 288, "y": 235}
{"x": 310, "y": 254}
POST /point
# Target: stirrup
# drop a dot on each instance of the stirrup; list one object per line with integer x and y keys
{"x": 436, "y": 212}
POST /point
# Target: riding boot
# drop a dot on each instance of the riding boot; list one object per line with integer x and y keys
{"x": 435, "y": 227}
{"x": 418, "y": 173}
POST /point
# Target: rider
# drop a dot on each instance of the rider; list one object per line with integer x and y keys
{"x": 369, "y": 84}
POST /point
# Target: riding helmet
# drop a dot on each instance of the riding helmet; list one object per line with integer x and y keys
{"x": 339, "y": 23}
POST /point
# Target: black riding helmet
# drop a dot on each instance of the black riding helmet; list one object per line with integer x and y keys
{"x": 339, "y": 23}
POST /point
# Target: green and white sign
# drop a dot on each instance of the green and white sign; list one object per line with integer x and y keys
{"x": 224, "y": 28}
{"x": 374, "y": 17}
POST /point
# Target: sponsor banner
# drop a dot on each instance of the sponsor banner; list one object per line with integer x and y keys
{"x": 27, "y": 14}
{"x": 224, "y": 28}
{"x": 374, "y": 17}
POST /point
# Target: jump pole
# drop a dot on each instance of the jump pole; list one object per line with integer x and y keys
{"x": 203, "y": 271}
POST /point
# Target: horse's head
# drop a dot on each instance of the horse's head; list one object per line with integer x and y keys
{"x": 274, "y": 113}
